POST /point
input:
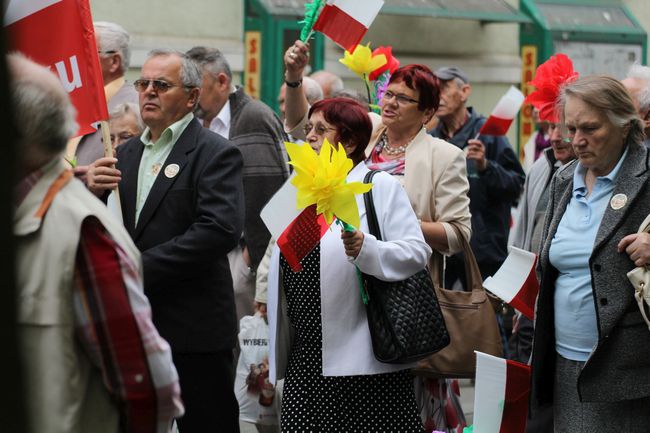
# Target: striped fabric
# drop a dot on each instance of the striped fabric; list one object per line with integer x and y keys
{"x": 113, "y": 321}
{"x": 376, "y": 161}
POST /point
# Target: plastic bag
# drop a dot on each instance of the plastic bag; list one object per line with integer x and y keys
{"x": 255, "y": 394}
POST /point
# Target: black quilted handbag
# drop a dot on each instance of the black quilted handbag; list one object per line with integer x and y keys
{"x": 404, "y": 317}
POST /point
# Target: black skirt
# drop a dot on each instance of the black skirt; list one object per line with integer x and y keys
{"x": 312, "y": 402}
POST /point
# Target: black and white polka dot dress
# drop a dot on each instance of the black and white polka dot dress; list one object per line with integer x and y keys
{"x": 312, "y": 403}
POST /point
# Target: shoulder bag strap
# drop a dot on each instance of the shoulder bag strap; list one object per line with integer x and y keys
{"x": 371, "y": 215}
{"x": 472, "y": 271}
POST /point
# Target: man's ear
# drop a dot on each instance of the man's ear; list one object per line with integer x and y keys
{"x": 465, "y": 91}
{"x": 223, "y": 80}
{"x": 194, "y": 96}
{"x": 116, "y": 63}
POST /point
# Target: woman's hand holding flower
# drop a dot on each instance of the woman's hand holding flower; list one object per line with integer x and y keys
{"x": 352, "y": 241}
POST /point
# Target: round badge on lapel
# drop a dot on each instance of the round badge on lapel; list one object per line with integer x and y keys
{"x": 618, "y": 201}
{"x": 172, "y": 170}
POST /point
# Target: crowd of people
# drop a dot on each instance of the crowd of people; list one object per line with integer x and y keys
{"x": 135, "y": 268}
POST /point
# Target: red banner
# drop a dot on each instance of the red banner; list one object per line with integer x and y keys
{"x": 59, "y": 34}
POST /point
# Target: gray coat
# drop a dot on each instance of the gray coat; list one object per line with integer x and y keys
{"x": 619, "y": 367}
{"x": 91, "y": 146}
{"x": 258, "y": 133}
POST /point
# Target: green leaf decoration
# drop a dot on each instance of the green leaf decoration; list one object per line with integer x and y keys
{"x": 312, "y": 10}
{"x": 72, "y": 162}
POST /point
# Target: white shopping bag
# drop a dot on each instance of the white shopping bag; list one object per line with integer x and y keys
{"x": 255, "y": 394}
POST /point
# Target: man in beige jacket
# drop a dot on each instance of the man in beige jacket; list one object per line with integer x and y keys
{"x": 92, "y": 359}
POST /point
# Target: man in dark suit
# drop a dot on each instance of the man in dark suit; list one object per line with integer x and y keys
{"x": 182, "y": 202}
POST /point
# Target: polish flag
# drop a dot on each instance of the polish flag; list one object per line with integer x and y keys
{"x": 504, "y": 113}
{"x": 516, "y": 281}
{"x": 301, "y": 236}
{"x": 501, "y": 395}
{"x": 59, "y": 34}
{"x": 346, "y": 21}
{"x": 297, "y": 231}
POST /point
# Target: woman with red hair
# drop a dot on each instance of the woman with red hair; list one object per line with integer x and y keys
{"x": 319, "y": 337}
{"x": 432, "y": 171}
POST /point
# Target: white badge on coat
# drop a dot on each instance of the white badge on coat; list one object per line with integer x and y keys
{"x": 172, "y": 170}
{"x": 618, "y": 201}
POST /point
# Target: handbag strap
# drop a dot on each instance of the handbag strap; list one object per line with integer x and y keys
{"x": 472, "y": 271}
{"x": 371, "y": 215}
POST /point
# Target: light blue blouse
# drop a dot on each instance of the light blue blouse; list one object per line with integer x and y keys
{"x": 576, "y": 329}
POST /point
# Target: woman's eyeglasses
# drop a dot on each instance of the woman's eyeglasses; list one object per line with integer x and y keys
{"x": 121, "y": 137}
{"x": 159, "y": 86}
{"x": 401, "y": 99}
{"x": 318, "y": 128}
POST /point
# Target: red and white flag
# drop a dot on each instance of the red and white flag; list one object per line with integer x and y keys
{"x": 504, "y": 113}
{"x": 301, "y": 236}
{"x": 346, "y": 21}
{"x": 516, "y": 281}
{"x": 501, "y": 395}
{"x": 59, "y": 34}
{"x": 297, "y": 231}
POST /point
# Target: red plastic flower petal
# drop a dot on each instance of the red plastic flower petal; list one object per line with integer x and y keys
{"x": 391, "y": 62}
{"x": 549, "y": 79}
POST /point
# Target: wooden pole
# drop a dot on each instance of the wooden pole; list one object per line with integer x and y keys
{"x": 108, "y": 152}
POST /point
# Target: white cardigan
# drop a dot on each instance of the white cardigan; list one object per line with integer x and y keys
{"x": 347, "y": 348}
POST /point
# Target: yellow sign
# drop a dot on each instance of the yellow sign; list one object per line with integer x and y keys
{"x": 253, "y": 63}
{"x": 526, "y": 124}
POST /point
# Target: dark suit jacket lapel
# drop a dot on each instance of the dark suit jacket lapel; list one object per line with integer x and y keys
{"x": 632, "y": 176}
{"x": 185, "y": 144}
{"x": 129, "y": 156}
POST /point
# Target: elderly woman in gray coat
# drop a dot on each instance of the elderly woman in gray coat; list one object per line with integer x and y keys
{"x": 591, "y": 350}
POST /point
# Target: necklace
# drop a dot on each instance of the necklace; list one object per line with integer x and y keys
{"x": 393, "y": 150}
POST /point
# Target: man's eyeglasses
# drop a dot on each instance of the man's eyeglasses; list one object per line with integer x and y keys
{"x": 318, "y": 128}
{"x": 401, "y": 99}
{"x": 106, "y": 52}
{"x": 160, "y": 86}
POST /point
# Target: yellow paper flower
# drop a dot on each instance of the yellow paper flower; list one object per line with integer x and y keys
{"x": 320, "y": 180}
{"x": 362, "y": 62}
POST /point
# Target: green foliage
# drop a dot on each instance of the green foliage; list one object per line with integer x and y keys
{"x": 312, "y": 10}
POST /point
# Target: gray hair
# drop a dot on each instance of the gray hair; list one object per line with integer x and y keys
{"x": 337, "y": 85}
{"x": 641, "y": 73}
{"x": 352, "y": 94}
{"x": 313, "y": 90}
{"x": 610, "y": 97}
{"x": 210, "y": 59}
{"x": 190, "y": 74}
{"x": 113, "y": 37}
{"x": 127, "y": 109}
{"x": 328, "y": 79}
{"x": 459, "y": 83}
{"x": 44, "y": 115}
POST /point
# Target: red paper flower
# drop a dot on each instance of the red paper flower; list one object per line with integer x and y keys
{"x": 391, "y": 62}
{"x": 549, "y": 79}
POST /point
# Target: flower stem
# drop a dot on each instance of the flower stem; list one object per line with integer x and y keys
{"x": 364, "y": 294}
{"x": 367, "y": 83}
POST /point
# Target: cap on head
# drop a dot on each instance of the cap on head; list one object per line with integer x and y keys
{"x": 447, "y": 73}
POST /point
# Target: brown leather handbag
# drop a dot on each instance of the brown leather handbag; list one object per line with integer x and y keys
{"x": 471, "y": 323}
